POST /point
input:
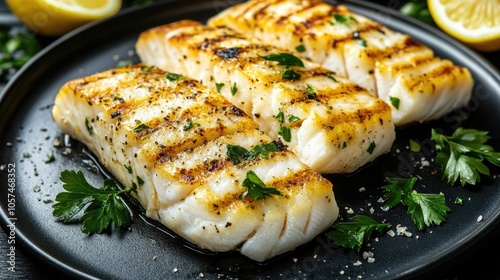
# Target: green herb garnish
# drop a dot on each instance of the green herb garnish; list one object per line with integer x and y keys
{"x": 16, "y": 48}
{"x": 289, "y": 74}
{"x": 285, "y": 59}
{"x": 425, "y": 209}
{"x": 102, "y": 207}
{"x": 394, "y": 101}
{"x": 461, "y": 155}
{"x": 283, "y": 131}
{"x": 189, "y": 125}
{"x": 174, "y": 77}
{"x": 311, "y": 94}
{"x": 371, "y": 148}
{"x": 331, "y": 77}
{"x": 256, "y": 188}
{"x": 354, "y": 235}
{"x": 344, "y": 19}
{"x": 234, "y": 89}
{"x": 129, "y": 168}
{"x": 218, "y": 86}
{"x": 140, "y": 127}
{"x": 293, "y": 119}
{"x": 236, "y": 152}
{"x": 89, "y": 127}
{"x": 414, "y": 146}
{"x": 300, "y": 48}
{"x": 418, "y": 9}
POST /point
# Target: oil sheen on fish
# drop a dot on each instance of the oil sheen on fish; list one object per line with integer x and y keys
{"x": 174, "y": 134}
{"x": 391, "y": 65}
{"x": 329, "y": 122}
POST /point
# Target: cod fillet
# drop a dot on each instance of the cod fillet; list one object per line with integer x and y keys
{"x": 174, "y": 134}
{"x": 393, "y": 66}
{"x": 329, "y": 122}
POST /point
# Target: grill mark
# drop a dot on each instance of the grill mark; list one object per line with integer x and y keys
{"x": 368, "y": 27}
{"x": 407, "y": 45}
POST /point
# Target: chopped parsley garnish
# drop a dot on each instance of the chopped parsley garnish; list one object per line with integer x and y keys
{"x": 414, "y": 146}
{"x": 283, "y": 131}
{"x": 140, "y": 181}
{"x": 331, "y": 77}
{"x": 300, "y": 48}
{"x": 218, "y": 86}
{"x": 256, "y": 188}
{"x": 425, "y": 209}
{"x": 236, "y": 152}
{"x": 344, "y": 145}
{"x": 361, "y": 42}
{"x": 371, "y": 148}
{"x": 293, "y": 119}
{"x": 174, "y": 77}
{"x": 140, "y": 127}
{"x": 234, "y": 89}
{"x": 124, "y": 63}
{"x": 394, "y": 101}
{"x": 458, "y": 201}
{"x": 311, "y": 94}
{"x": 89, "y": 127}
{"x": 101, "y": 207}
{"x": 189, "y": 125}
{"x": 146, "y": 69}
{"x": 461, "y": 155}
{"x": 16, "y": 48}
{"x": 129, "y": 168}
{"x": 344, "y": 19}
{"x": 289, "y": 74}
{"x": 355, "y": 234}
{"x": 285, "y": 59}
{"x": 418, "y": 9}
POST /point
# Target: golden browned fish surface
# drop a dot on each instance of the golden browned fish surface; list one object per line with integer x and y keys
{"x": 174, "y": 134}
{"x": 333, "y": 125}
{"x": 391, "y": 65}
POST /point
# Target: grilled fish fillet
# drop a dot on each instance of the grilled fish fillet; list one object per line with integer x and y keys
{"x": 391, "y": 65}
{"x": 335, "y": 125}
{"x": 174, "y": 135}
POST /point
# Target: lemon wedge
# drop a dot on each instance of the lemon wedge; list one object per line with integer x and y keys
{"x": 57, "y": 17}
{"x": 474, "y": 22}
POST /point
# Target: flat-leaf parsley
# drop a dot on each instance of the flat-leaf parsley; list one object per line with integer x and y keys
{"x": 101, "y": 207}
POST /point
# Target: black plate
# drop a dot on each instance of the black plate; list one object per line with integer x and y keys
{"x": 28, "y": 132}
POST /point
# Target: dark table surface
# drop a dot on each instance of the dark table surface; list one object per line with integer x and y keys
{"x": 481, "y": 263}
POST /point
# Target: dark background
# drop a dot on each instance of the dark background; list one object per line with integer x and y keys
{"x": 481, "y": 263}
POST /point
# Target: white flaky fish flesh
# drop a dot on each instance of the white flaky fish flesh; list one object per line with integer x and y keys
{"x": 176, "y": 136}
{"x": 332, "y": 124}
{"x": 393, "y": 66}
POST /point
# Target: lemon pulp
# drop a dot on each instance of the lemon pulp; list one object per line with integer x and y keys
{"x": 474, "y": 22}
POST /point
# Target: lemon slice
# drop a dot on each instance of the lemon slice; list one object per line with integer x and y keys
{"x": 474, "y": 22}
{"x": 57, "y": 17}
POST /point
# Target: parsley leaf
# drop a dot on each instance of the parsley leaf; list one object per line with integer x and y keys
{"x": 461, "y": 155}
{"x": 102, "y": 207}
{"x": 394, "y": 101}
{"x": 174, "y": 77}
{"x": 256, "y": 188}
{"x": 283, "y": 131}
{"x": 425, "y": 209}
{"x": 344, "y": 19}
{"x": 236, "y": 152}
{"x": 285, "y": 59}
{"x": 16, "y": 48}
{"x": 290, "y": 74}
{"x": 354, "y": 234}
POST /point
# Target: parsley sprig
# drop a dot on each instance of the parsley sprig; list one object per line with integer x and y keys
{"x": 256, "y": 188}
{"x": 355, "y": 234}
{"x": 425, "y": 209}
{"x": 102, "y": 207}
{"x": 461, "y": 155}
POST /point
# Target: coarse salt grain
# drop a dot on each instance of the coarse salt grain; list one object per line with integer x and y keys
{"x": 357, "y": 263}
{"x": 480, "y": 218}
{"x": 391, "y": 233}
